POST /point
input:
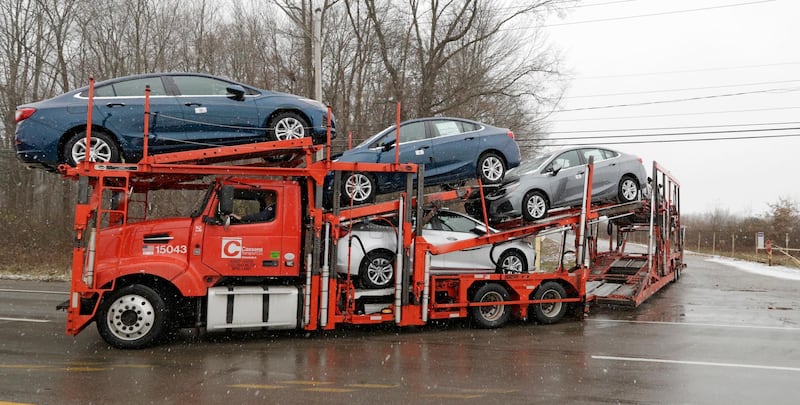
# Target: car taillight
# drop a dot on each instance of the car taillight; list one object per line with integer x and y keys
{"x": 23, "y": 114}
{"x": 510, "y": 134}
{"x": 641, "y": 160}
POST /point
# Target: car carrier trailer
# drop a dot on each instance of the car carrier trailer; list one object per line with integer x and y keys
{"x": 140, "y": 279}
{"x": 645, "y": 247}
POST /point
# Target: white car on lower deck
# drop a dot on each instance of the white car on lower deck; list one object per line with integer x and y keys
{"x": 372, "y": 250}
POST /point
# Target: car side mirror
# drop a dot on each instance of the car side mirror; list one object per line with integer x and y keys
{"x": 478, "y": 231}
{"x": 557, "y": 166}
{"x": 237, "y": 91}
{"x": 388, "y": 146}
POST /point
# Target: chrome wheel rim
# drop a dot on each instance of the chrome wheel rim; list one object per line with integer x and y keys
{"x": 492, "y": 169}
{"x": 358, "y": 187}
{"x": 99, "y": 152}
{"x": 289, "y": 128}
{"x": 536, "y": 206}
{"x": 380, "y": 271}
{"x": 130, "y": 317}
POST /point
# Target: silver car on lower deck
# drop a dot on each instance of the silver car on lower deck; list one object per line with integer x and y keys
{"x": 372, "y": 249}
{"x": 557, "y": 180}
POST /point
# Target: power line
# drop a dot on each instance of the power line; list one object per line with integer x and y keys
{"x": 683, "y": 89}
{"x": 626, "y": 117}
{"x": 742, "y": 93}
{"x": 732, "y": 131}
{"x": 671, "y": 140}
{"x": 544, "y": 143}
{"x": 671, "y": 128}
{"x": 669, "y": 72}
{"x": 659, "y": 13}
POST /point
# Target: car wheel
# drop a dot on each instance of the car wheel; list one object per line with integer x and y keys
{"x": 512, "y": 261}
{"x": 534, "y": 205}
{"x": 549, "y": 312}
{"x": 132, "y": 317}
{"x": 491, "y": 168}
{"x": 628, "y": 189}
{"x": 490, "y": 316}
{"x": 287, "y": 125}
{"x": 103, "y": 150}
{"x": 358, "y": 187}
{"x": 377, "y": 269}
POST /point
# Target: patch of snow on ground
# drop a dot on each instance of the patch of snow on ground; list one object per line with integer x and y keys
{"x": 786, "y": 273}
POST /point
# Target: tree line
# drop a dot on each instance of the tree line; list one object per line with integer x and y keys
{"x": 464, "y": 58}
{"x": 723, "y": 233}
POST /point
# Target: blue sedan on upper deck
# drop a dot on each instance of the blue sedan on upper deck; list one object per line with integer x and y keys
{"x": 453, "y": 150}
{"x": 187, "y": 111}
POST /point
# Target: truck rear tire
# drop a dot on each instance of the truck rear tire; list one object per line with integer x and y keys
{"x": 550, "y": 312}
{"x": 132, "y": 317}
{"x": 493, "y": 316}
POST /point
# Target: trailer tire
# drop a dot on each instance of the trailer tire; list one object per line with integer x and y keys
{"x": 487, "y": 317}
{"x": 550, "y": 312}
{"x": 132, "y": 317}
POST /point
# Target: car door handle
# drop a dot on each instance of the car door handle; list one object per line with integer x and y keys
{"x": 192, "y": 104}
{"x": 451, "y": 238}
{"x": 423, "y": 148}
{"x": 469, "y": 138}
{"x": 112, "y": 105}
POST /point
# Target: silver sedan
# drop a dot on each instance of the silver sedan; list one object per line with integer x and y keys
{"x": 557, "y": 180}
{"x": 372, "y": 249}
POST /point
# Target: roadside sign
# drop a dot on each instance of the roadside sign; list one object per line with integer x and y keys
{"x": 760, "y": 240}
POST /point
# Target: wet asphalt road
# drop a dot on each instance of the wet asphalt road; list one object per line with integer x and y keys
{"x": 718, "y": 336}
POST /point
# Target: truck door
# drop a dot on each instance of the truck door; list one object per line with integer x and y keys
{"x": 255, "y": 242}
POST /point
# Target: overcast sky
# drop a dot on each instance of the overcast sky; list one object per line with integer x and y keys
{"x": 698, "y": 66}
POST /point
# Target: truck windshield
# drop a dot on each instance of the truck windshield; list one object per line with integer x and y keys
{"x": 198, "y": 209}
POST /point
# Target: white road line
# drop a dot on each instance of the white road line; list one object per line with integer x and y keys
{"x": 34, "y": 291}
{"x": 695, "y": 363}
{"x": 713, "y": 325}
{"x": 24, "y": 320}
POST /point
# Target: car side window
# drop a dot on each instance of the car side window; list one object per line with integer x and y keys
{"x": 200, "y": 86}
{"x": 449, "y": 127}
{"x": 610, "y": 153}
{"x": 130, "y": 88}
{"x": 567, "y": 159}
{"x": 597, "y": 154}
{"x": 414, "y": 131}
{"x": 455, "y": 223}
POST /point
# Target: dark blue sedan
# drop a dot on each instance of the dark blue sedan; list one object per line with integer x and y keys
{"x": 188, "y": 111}
{"x": 453, "y": 150}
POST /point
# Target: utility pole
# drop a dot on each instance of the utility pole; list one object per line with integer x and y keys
{"x": 317, "y": 46}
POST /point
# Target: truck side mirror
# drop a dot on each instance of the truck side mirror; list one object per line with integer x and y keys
{"x": 225, "y": 196}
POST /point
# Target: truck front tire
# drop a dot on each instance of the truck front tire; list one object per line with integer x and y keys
{"x": 132, "y": 317}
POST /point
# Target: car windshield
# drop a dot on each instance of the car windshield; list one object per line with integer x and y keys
{"x": 376, "y": 136}
{"x": 529, "y": 166}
